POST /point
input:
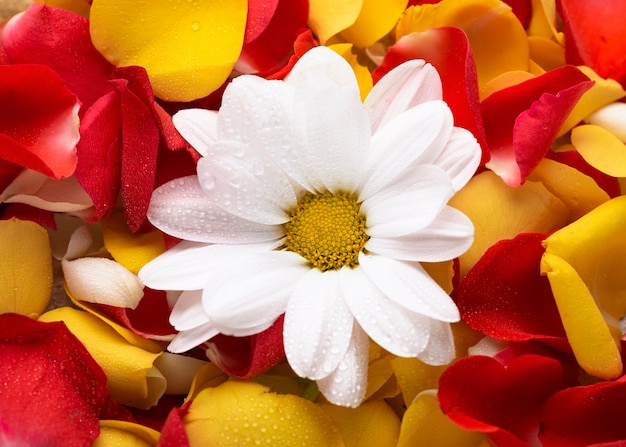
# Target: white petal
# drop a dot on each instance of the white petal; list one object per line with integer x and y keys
{"x": 182, "y": 209}
{"x": 440, "y": 349}
{"x": 612, "y": 117}
{"x": 318, "y": 325}
{"x": 336, "y": 132}
{"x": 246, "y": 184}
{"x": 322, "y": 62}
{"x": 408, "y": 204}
{"x": 346, "y": 386}
{"x": 398, "y": 330}
{"x": 186, "y": 340}
{"x": 198, "y": 127}
{"x": 103, "y": 281}
{"x": 246, "y": 299}
{"x": 418, "y": 132}
{"x": 447, "y": 237}
{"x": 187, "y": 265}
{"x": 188, "y": 312}
{"x": 460, "y": 157}
{"x": 410, "y": 287}
{"x": 407, "y": 85}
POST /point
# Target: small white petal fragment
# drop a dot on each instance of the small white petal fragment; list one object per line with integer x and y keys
{"x": 198, "y": 127}
{"x": 102, "y": 281}
{"x": 612, "y": 117}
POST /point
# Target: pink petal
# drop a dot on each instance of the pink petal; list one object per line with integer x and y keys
{"x": 38, "y": 120}
{"x": 449, "y": 51}
{"x": 522, "y": 121}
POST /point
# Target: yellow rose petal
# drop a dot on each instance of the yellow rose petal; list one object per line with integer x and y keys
{"x": 601, "y": 149}
{"x": 376, "y": 19}
{"x": 131, "y": 377}
{"x": 545, "y": 52}
{"x": 370, "y": 424}
{"x": 25, "y": 267}
{"x": 246, "y": 413}
{"x": 415, "y": 376}
{"x": 120, "y": 433}
{"x": 425, "y": 425}
{"x": 499, "y": 211}
{"x": 589, "y": 336}
{"x": 132, "y": 250}
{"x": 188, "y": 48}
{"x": 329, "y": 17}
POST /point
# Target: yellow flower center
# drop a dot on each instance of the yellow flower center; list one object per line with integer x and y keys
{"x": 328, "y": 230}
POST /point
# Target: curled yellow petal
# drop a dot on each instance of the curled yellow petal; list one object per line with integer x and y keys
{"x": 424, "y": 424}
{"x": 589, "y": 336}
{"x": 132, "y": 250}
{"x": 329, "y": 17}
{"x": 128, "y": 434}
{"x": 246, "y": 413}
{"x": 188, "y": 48}
{"x": 25, "y": 267}
{"x": 375, "y": 20}
{"x": 601, "y": 149}
{"x": 132, "y": 378}
{"x": 370, "y": 424}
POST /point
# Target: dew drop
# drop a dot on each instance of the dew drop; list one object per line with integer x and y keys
{"x": 195, "y": 26}
{"x": 208, "y": 181}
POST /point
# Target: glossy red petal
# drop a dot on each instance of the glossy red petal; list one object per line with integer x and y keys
{"x": 303, "y": 43}
{"x": 586, "y": 415}
{"x": 173, "y": 433}
{"x": 52, "y": 391}
{"x": 245, "y": 357}
{"x": 523, "y": 120}
{"x": 504, "y": 295}
{"x": 449, "y": 51}
{"x": 99, "y": 153}
{"x": 38, "y": 120}
{"x": 60, "y": 40}
{"x": 480, "y": 394}
{"x": 523, "y": 10}
{"x": 267, "y": 44}
{"x": 27, "y": 212}
{"x": 596, "y": 36}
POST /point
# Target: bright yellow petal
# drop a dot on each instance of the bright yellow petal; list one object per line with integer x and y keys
{"x": 131, "y": 377}
{"x": 370, "y": 424}
{"x": 25, "y": 267}
{"x": 210, "y": 375}
{"x": 329, "y": 17}
{"x": 508, "y": 79}
{"x": 603, "y": 92}
{"x": 132, "y": 250}
{"x": 442, "y": 273}
{"x": 424, "y": 425}
{"x": 376, "y": 19}
{"x": 500, "y": 212}
{"x": 546, "y": 53}
{"x": 497, "y": 38}
{"x": 415, "y": 376}
{"x": 579, "y": 192}
{"x": 380, "y": 381}
{"x": 589, "y": 336}
{"x": 188, "y": 48}
{"x": 601, "y": 149}
{"x": 544, "y": 21}
{"x": 246, "y": 413}
{"x": 363, "y": 75}
{"x": 127, "y": 434}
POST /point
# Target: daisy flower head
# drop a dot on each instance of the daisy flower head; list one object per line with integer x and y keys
{"x": 310, "y": 203}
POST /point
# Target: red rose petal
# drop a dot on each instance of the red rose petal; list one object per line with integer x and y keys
{"x": 522, "y": 121}
{"x": 449, "y": 51}
{"x": 586, "y": 415}
{"x": 575, "y": 160}
{"x": 38, "y": 120}
{"x": 596, "y": 36}
{"x": 245, "y": 357}
{"x": 504, "y": 295}
{"x": 480, "y": 394}
{"x": 52, "y": 391}
{"x": 27, "y": 212}
{"x": 173, "y": 433}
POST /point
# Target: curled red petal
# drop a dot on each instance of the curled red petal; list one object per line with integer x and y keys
{"x": 52, "y": 391}
{"x": 270, "y": 33}
{"x": 27, "y": 212}
{"x": 173, "y": 433}
{"x": 303, "y": 43}
{"x": 480, "y": 394}
{"x": 449, "y": 51}
{"x": 596, "y": 36}
{"x": 59, "y": 39}
{"x": 591, "y": 415}
{"x": 523, "y": 120}
{"x": 504, "y": 295}
{"x": 38, "y": 120}
{"x": 245, "y": 357}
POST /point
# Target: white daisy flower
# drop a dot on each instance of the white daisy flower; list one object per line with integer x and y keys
{"x": 310, "y": 203}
